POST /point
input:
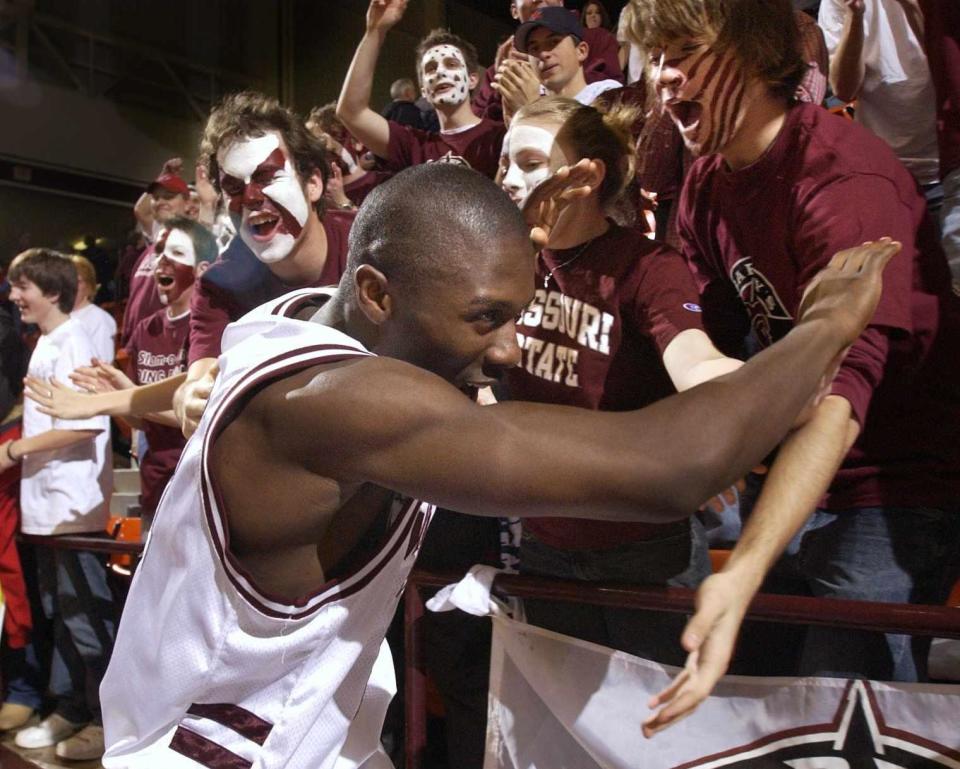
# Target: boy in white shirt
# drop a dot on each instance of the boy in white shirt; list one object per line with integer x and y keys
{"x": 65, "y": 488}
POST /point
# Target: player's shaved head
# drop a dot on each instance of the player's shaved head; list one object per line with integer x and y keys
{"x": 431, "y": 222}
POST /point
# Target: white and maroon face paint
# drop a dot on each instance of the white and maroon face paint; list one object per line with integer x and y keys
{"x": 265, "y": 193}
{"x": 704, "y": 93}
{"x": 446, "y": 80}
{"x": 175, "y": 266}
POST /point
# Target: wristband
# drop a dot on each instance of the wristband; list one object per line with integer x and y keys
{"x": 15, "y": 460}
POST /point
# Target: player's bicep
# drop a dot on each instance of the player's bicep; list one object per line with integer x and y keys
{"x": 396, "y": 426}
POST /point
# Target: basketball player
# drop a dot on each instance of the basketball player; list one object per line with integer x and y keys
{"x": 284, "y": 539}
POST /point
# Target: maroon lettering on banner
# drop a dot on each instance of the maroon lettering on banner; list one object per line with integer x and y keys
{"x": 206, "y": 752}
{"x": 242, "y": 721}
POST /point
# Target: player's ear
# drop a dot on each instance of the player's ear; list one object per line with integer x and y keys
{"x": 372, "y": 295}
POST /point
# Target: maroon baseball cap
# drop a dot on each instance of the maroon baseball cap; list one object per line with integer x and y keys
{"x": 555, "y": 18}
{"x": 170, "y": 182}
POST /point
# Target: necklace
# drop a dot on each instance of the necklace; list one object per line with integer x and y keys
{"x": 546, "y": 278}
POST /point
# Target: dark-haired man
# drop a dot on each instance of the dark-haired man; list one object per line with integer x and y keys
{"x": 602, "y": 62}
{"x": 446, "y": 66}
{"x": 273, "y": 172}
{"x": 555, "y": 39}
{"x": 256, "y": 618}
{"x": 777, "y": 189}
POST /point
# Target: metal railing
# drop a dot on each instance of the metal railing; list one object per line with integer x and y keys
{"x": 910, "y": 619}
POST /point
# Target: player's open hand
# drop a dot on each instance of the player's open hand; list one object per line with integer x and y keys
{"x": 709, "y": 637}
{"x": 847, "y": 290}
{"x": 57, "y": 400}
{"x": 547, "y": 201}
{"x": 384, "y": 14}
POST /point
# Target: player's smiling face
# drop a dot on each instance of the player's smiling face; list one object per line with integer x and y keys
{"x": 702, "y": 90}
{"x": 265, "y": 194}
{"x": 444, "y": 74}
{"x": 463, "y": 326}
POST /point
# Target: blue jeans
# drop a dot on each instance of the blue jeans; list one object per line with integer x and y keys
{"x": 679, "y": 558}
{"x": 950, "y": 222}
{"x": 78, "y": 601}
{"x": 894, "y": 555}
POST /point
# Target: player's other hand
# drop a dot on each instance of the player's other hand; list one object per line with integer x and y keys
{"x": 847, "y": 290}
{"x": 191, "y": 400}
{"x": 709, "y": 637}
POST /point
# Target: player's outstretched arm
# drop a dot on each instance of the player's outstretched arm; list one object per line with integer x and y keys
{"x": 389, "y": 423}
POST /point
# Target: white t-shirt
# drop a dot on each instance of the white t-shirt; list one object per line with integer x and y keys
{"x": 589, "y": 94}
{"x": 66, "y": 491}
{"x": 635, "y": 57}
{"x": 101, "y": 329}
{"x": 897, "y": 98}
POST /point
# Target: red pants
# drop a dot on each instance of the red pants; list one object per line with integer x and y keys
{"x": 16, "y": 620}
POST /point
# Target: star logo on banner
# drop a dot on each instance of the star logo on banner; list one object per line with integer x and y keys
{"x": 857, "y": 738}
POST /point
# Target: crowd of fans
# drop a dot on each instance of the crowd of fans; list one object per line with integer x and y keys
{"x": 714, "y": 181}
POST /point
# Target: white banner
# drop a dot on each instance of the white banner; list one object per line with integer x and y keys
{"x": 560, "y": 703}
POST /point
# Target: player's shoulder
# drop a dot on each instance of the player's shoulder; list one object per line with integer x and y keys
{"x": 352, "y": 401}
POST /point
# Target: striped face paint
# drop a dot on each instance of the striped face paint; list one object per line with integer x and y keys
{"x": 703, "y": 91}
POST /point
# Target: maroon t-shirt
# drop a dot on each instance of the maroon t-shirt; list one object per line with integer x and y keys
{"x": 762, "y": 232}
{"x": 143, "y": 300}
{"x": 603, "y": 63}
{"x": 478, "y": 147}
{"x": 942, "y": 41}
{"x": 594, "y": 338}
{"x": 238, "y": 281}
{"x": 158, "y": 351}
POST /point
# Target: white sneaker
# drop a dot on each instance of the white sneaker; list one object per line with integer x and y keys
{"x": 85, "y": 745}
{"x": 51, "y": 730}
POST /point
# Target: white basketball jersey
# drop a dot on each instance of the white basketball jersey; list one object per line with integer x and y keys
{"x": 210, "y": 671}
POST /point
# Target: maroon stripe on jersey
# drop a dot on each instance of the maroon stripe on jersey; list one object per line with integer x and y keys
{"x": 206, "y": 752}
{"x": 291, "y": 307}
{"x": 251, "y": 379}
{"x": 241, "y": 720}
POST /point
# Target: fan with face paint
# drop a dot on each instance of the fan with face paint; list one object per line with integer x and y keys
{"x": 266, "y": 197}
{"x": 530, "y": 155}
{"x": 703, "y": 92}
{"x": 445, "y": 77}
{"x": 175, "y": 267}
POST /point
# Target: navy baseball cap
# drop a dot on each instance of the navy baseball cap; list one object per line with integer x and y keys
{"x": 558, "y": 20}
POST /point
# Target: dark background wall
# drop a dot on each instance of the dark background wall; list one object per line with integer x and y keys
{"x": 96, "y": 94}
